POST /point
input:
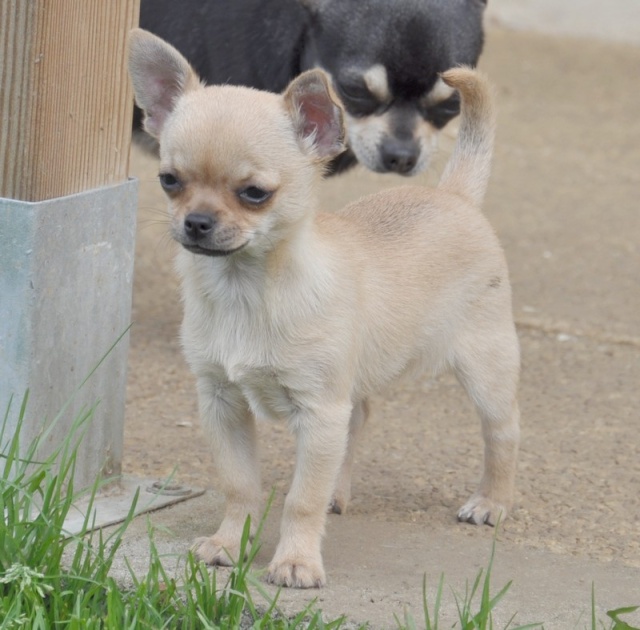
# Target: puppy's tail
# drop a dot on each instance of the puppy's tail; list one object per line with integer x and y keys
{"x": 467, "y": 172}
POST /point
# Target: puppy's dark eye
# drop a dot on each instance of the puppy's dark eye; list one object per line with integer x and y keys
{"x": 254, "y": 194}
{"x": 357, "y": 99}
{"x": 169, "y": 182}
{"x": 441, "y": 113}
{"x": 355, "y": 92}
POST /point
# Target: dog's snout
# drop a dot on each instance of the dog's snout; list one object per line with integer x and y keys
{"x": 198, "y": 226}
{"x": 400, "y": 157}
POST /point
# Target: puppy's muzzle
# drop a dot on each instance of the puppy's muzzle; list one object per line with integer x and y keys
{"x": 199, "y": 232}
{"x": 399, "y": 156}
{"x": 198, "y": 227}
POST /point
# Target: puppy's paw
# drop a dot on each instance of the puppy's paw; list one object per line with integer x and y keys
{"x": 296, "y": 573}
{"x": 213, "y": 551}
{"x": 338, "y": 505}
{"x": 341, "y": 496}
{"x": 482, "y": 510}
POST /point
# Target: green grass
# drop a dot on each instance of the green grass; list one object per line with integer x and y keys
{"x": 49, "y": 579}
{"x": 482, "y": 619}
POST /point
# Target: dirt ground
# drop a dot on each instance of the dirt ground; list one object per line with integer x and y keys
{"x": 564, "y": 201}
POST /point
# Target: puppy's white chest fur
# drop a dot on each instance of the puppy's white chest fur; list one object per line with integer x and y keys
{"x": 237, "y": 354}
{"x": 240, "y": 334}
{"x": 267, "y": 392}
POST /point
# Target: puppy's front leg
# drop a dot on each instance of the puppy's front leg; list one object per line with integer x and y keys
{"x": 321, "y": 446}
{"x": 230, "y": 425}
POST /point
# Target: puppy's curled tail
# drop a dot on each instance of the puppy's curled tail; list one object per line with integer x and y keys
{"x": 468, "y": 169}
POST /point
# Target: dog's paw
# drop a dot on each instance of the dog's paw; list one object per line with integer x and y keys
{"x": 337, "y": 506}
{"x": 482, "y": 510}
{"x": 296, "y": 573}
{"x": 341, "y": 497}
{"x": 213, "y": 551}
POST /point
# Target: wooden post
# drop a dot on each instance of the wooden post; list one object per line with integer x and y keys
{"x": 65, "y": 99}
{"x": 67, "y": 219}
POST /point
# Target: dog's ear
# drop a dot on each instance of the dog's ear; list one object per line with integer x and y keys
{"x": 160, "y": 75}
{"x": 316, "y": 116}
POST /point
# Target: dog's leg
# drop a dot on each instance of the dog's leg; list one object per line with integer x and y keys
{"x": 321, "y": 446}
{"x": 230, "y": 426}
{"x": 342, "y": 493}
{"x": 488, "y": 368}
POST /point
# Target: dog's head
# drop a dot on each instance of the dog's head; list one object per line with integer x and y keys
{"x": 384, "y": 59}
{"x": 237, "y": 164}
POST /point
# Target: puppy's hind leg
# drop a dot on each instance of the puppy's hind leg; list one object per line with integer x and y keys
{"x": 487, "y": 365}
{"x": 342, "y": 493}
{"x": 230, "y": 426}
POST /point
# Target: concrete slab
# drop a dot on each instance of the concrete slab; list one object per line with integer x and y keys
{"x": 376, "y": 572}
{"x": 114, "y": 502}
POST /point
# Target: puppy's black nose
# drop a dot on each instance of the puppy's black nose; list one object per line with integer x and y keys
{"x": 400, "y": 157}
{"x": 197, "y": 226}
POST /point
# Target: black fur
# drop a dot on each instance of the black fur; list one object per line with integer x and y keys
{"x": 265, "y": 43}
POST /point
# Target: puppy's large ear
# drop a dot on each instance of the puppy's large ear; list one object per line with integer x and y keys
{"x": 316, "y": 116}
{"x": 160, "y": 75}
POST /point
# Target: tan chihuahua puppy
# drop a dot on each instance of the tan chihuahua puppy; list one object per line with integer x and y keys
{"x": 301, "y": 315}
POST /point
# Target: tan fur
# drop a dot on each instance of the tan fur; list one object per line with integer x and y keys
{"x": 317, "y": 311}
